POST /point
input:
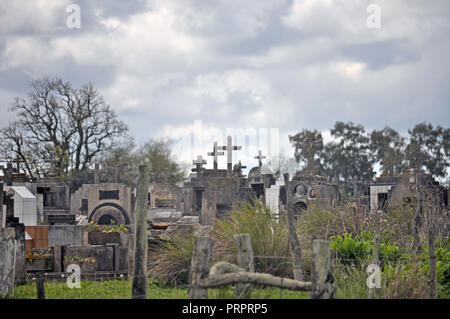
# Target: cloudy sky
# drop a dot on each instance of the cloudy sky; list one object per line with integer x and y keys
{"x": 168, "y": 67}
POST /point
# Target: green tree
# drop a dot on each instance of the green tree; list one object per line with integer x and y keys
{"x": 429, "y": 148}
{"x": 348, "y": 155}
{"x": 384, "y": 141}
{"x": 307, "y": 145}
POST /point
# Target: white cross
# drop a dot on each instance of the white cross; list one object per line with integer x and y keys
{"x": 229, "y": 148}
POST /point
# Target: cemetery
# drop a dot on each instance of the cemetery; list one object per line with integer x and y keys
{"x": 149, "y": 235}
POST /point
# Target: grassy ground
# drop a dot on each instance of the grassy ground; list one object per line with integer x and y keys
{"x": 121, "y": 289}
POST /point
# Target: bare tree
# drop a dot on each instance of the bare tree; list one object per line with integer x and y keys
{"x": 62, "y": 124}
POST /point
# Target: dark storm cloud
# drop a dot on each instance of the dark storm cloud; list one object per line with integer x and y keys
{"x": 286, "y": 64}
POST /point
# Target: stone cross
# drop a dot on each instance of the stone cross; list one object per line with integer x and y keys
{"x": 199, "y": 162}
{"x": 215, "y": 154}
{"x": 229, "y": 148}
{"x": 259, "y": 157}
{"x": 8, "y": 174}
{"x": 117, "y": 164}
{"x": 96, "y": 173}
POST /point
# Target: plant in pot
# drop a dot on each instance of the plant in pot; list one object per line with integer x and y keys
{"x": 104, "y": 234}
{"x": 39, "y": 260}
{"x": 87, "y": 264}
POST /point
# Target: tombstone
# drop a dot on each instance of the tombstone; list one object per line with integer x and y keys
{"x": 7, "y": 261}
{"x": 215, "y": 154}
{"x": 229, "y": 148}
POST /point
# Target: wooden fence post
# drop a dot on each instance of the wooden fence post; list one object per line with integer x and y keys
{"x": 139, "y": 283}
{"x": 322, "y": 280}
{"x": 202, "y": 255}
{"x": 40, "y": 288}
{"x": 245, "y": 261}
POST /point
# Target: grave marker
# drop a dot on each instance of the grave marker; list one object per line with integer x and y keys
{"x": 199, "y": 162}
{"x": 229, "y": 148}
{"x": 215, "y": 154}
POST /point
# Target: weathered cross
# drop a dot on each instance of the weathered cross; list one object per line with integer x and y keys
{"x": 117, "y": 164}
{"x": 229, "y": 148}
{"x": 259, "y": 157}
{"x": 199, "y": 162}
{"x": 215, "y": 154}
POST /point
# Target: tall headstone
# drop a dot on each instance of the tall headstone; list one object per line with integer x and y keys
{"x": 215, "y": 154}
{"x": 229, "y": 148}
{"x": 7, "y": 261}
{"x": 139, "y": 290}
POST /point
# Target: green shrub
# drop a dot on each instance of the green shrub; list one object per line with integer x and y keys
{"x": 349, "y": 248}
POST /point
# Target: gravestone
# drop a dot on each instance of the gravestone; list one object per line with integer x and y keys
{"x": 7, "y": 261}
{"x": 229, "y": 148}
